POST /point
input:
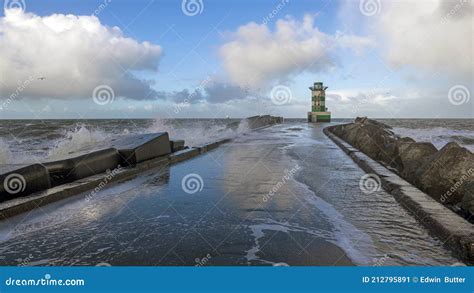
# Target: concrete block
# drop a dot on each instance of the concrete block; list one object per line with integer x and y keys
{"x": 23, "y": 181}
{"x": 184, "y": 155}
{"x": 89, "y": 164}
{"x": 138, "y": 148}
{"x": 176, "y": 145}
{"x": 94, "y": 163}
{"x": 59, "y": 171}
{"x": 212, "y": 146}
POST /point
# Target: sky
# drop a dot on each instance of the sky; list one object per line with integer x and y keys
{"x": 105, "y": 59}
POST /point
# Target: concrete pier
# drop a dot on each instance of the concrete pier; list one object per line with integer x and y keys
{"x": 283, "y": 195}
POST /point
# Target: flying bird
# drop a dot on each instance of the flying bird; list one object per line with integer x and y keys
{"x": 42, "y": 78}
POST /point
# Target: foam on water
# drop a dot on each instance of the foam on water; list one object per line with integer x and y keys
{"x": 355, "y": 243}
{"x": 199, "y": 133}
{"x": 75, "y": 140}
{"x": 439, "y": 136}
{"x": 275, "y": 226}
{"x": 5, "y": 153}
{"x": 60, "y": 142}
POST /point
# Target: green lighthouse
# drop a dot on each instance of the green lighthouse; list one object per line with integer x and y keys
{"x": 319, "y": 112}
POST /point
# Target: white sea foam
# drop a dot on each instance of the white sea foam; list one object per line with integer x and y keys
{"x": 83, "y": 136}
{"x": 357, "y": 244}
{"x": 5, "y": 153}
{"x": 199, "y": 133}
{"x": 439, "y": 136}
{"x": 275, "y": 226}
{"x": 75, "y": 140}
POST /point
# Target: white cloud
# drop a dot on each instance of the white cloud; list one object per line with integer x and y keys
{"x": 256, "y": 56}
{"x": 75, "y": 54}
{"x": 432, "y": 35}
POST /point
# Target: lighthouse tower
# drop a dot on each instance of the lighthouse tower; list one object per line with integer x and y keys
{"x": 319, "y": 112}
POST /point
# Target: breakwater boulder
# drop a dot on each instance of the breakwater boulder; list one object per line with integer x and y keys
{"x": 375, "y": 139}
{"x": 447, "y": 175}
{"x": 413, "y": 155}
{"x": 468, "y": 198}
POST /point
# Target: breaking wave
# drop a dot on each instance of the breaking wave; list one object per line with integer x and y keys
{"x": 199, "y": 133}
{"x": 54, "y": 144}
{"x": 439, "y": 136}
{"x": 75, "y": 140}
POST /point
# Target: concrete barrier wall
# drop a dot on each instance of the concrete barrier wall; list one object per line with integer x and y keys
{"x": 255, "y": 122}
{"x": 23, "y": 204}
{"x": 176, "y": 145}
{"x": 24, "y": 181}
{"x": 139, "y": 148}
{"x": 127, "y": 151}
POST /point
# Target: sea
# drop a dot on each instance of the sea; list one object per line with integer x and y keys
{"x": 28, "y": 141}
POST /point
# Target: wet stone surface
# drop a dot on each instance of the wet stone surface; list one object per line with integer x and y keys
{"x": 284, "y": 195}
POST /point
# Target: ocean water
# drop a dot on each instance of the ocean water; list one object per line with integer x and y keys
{"x": 437, "y": 131}
{"x": 27, "y": 141}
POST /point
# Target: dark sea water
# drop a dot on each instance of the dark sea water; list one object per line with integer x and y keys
{"x": 24, "y": 141}
{"x": 437, "y": 131}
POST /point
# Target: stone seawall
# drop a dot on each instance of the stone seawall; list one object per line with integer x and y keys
{"x": 447, "y": 175}
{"x": 455, "y": 232}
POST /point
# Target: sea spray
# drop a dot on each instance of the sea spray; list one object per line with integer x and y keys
{"x": 200, "y": 132}
{"x": 5, "y": 153}
{"x": 75, "y": 140}
{"x": 439, "y": 136}
{"x": 64, "y": 141}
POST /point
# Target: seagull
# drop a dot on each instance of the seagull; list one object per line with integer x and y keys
{"x": 42, "y": 78}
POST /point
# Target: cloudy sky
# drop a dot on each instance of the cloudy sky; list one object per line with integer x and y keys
{"x": 209, "y": 58}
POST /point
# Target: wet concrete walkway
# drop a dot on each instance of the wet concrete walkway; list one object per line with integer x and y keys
{"x": 284, "y": 195}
